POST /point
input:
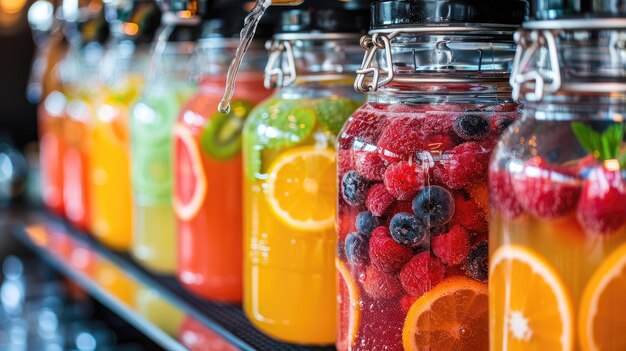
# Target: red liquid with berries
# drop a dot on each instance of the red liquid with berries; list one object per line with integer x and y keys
{"x": 412, "y": 225}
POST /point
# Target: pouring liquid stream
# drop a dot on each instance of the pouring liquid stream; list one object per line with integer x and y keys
{"x": 247, "y": 34}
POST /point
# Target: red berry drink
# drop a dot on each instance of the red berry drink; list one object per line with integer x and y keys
{"x": 412, "y": 178}
{"x": 557, "y": 275}
{"x": 413, "y": 214}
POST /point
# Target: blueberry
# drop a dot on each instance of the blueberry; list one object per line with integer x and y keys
{"x": 354, "y": 188}
{"x": 477, "y": 263}
{"x": 356, "y": 248}
{"x": 471, "y": 126}
{"x": 366, "y": 222}
{"x": 406, "y": 229}
{"x": 434, "y": 205}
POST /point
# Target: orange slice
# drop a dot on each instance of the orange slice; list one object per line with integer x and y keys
{"x": 451, "y": 316}
{"x": 349, "y": 311}
{"x": 602, "y": 321}
{"x": 301, "y": 188}
{"x": 190, "y": 180}
{"x": 529, "y": 305}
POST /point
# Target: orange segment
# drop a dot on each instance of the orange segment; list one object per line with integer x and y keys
{"x": 529, "y": 305}
{"x": 602, "y": 321}
{"x": 301, "y": 188}
{"x": 190, "y": 179}
{"x": 348, "y": 327}
{"x": 451, "y": 316}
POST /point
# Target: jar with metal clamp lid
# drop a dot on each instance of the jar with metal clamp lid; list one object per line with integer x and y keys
{"x": 289, "y": 172}
{"x": 558, "y": 186}
{"x": 122, "y": 74}
{"x": 207, "y": 188}
{"x": 152, "y": 120}
{"x": 412, "y": 203}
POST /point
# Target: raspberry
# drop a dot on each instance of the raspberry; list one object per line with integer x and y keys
{"x": 378, "y": 199}
{"x": 385, "y": 253}
{"x": 400, "y": 139}
{"x": 464, "y": 165}
{"x": 452, "y": 247}
{"x": 477, "y": 264}
{"x": 369, "y": 165}
{"x": 421, "y": 273}
{"x": 544, "y": 190}
{"x": 363, "y": 127}
{"x": 406, "y": 302}
{"x": 501, "y": 194}
{"x": 403, "y": 180}
{"x": 438, "y": 143}
{"x": 602, "y": 205}
{"x": 480, "y": 194}
{"x": 438, "y": 123}
{"x": 345, "y": 162}
{"x": 381, "y": 285}
{"x": 469, "y": 215}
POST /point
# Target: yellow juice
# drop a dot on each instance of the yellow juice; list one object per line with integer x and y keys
{"x": 111, "y": 192}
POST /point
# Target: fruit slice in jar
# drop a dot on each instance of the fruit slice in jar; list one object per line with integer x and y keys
{"x": 451, "y": 316}
{"x": 349, "y": 311}
{"x": 301, "y": 188}
{"x": 601, "y": 323}
{"x": 529, "y": 304}
{"x": 222, "y": 136}
{"x": 190, "y": 188}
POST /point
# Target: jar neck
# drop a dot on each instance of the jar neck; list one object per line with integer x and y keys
{"x": 433, "y": 59}
{"x": 306, "y": 59}
{"x": 577, "y": 108}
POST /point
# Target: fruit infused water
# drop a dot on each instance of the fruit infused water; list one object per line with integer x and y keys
{"x": 152, "y": 122}
{"x": 413, "y": 214}
{"x": 289, "y": 172}
{"x": 558, "y": 196}
{"x": 208, "y": 172}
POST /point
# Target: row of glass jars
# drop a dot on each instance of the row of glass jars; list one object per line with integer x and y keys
{"x": 250, "y": 197}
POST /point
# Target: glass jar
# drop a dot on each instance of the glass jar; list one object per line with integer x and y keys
{"x": 289, "y": 169}
{"x": 208, "y": 170}
{"x": 152, "y": 120}
{"x": 122, "y": 74}
{"x": 75, "y": 162}
{"x": 412, "y": 177}
{"x": 558, "y": 187}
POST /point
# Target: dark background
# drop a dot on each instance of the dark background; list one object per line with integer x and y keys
{"x": 17, "y": 116}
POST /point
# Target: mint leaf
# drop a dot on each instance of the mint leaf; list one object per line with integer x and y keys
{"x": 611, "y": 141}
{"x": 588, "y": 138}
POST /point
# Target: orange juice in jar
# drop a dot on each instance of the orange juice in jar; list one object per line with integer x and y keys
{"x": 557, "y": 267}
{"x": 289, "y": 182}
{"x": 208, "y": 172}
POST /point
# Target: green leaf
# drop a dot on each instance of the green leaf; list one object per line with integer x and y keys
{"x": 612, "y": 140}
{"x": 588, "y": 138}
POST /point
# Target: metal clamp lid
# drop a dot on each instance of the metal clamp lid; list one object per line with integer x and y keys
{"x": 537, "y": 69}
{"x": 381, "y": 39}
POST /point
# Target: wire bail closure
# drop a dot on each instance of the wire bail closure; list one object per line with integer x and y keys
{"x": 546, "y": 77}
{"x": 372, "y": 44}
{"x": 277, "y": 74}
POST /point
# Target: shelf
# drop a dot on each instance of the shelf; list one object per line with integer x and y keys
{"x": 156, "y": 305}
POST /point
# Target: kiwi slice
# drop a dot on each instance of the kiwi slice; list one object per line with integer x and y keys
{"x": 221, "y": 138}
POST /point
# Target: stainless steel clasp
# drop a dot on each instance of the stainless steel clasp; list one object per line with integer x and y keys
{"x": 372, "y": 44}
{"x": 536, "y": 65}
{"x": 278, "y": 73}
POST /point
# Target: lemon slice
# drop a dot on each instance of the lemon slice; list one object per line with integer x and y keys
{"x": 301, "y": 188}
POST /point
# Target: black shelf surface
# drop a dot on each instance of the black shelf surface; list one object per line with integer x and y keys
{"x": 156, "y": 305}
